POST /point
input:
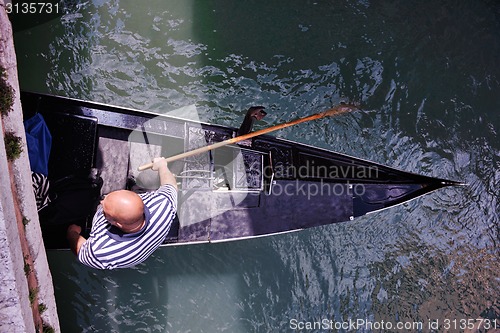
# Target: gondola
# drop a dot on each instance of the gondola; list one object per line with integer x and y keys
{"x": 258, "y": 187}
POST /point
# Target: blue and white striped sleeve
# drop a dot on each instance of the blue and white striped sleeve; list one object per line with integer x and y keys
{"x": 170, "y": 193}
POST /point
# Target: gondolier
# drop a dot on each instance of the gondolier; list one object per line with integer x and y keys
{"x": 128, "y": 227}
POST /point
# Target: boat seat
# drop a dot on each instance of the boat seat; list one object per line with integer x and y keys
{"x": 73, "y": 137}
{"x": 110, "y": 160}
{"x": 143, "y": 149}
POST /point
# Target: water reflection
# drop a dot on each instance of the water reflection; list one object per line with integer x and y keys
{"x": 454, "y": 285}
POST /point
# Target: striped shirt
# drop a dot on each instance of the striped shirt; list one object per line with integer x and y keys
{"x": 108, "y": 247}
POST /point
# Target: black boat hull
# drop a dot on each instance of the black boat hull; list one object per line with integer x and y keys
{"x": 264, "y": 186}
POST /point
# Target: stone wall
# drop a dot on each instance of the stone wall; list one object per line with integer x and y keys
{"x": 17, "y": 201}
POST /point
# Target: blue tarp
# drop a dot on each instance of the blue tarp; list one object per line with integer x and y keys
{"x": 39, "y": 142}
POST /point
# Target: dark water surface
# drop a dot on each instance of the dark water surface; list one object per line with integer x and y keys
{"x": 427, "y": 74}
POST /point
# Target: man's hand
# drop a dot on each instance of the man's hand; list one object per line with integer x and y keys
{"x": 166, "y": 177}
{"x": 74, "y": 238}
{"x": 74, "y": 228}
{"x": 159, "y": 162}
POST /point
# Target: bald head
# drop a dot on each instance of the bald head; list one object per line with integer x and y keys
{"x": 124, "y": 209}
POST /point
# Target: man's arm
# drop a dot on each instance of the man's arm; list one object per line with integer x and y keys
{"x": 74, "y": 238}
{"x": 166, "y": 177}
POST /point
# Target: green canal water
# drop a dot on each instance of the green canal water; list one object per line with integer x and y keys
{"x": 427, "y": 76}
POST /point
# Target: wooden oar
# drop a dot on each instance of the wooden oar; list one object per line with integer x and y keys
{"x": 338, "y": 110}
